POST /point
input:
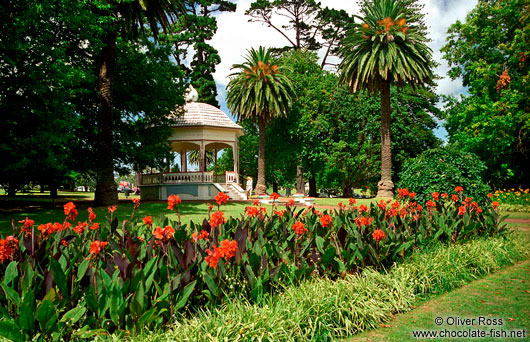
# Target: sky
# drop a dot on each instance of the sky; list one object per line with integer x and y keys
{"x": 235, "y": 35}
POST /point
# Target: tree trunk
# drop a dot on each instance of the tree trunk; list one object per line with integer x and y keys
{"x": 275, "y": 186}
{"x": 106, "y": 192}
{"x": 385, "y": 186}
{"x": 11, "y": 190}
{"x": 347, "y": 187}
{"x": 300, "y": 185}
{"x": 312, "y": 186}
{"x": 261, "y": 188}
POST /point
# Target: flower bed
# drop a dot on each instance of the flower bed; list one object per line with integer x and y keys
{"x": 89, "y": 277}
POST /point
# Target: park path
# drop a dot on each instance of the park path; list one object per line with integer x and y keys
{"x": 504, "y": 294}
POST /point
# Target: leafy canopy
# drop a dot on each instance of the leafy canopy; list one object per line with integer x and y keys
{"x": 259, "y": 88}
{"x": 389, "y": 44}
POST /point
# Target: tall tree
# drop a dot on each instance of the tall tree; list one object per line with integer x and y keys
{"x": 45, "y": 59}
{"x": 490, "y": 52}
{"x": 194, "y": 28}
{"x": 309, "y": 28}
{"x": 259, "y": 90}
{"x": 127, "y": 16}
{"x": 389, "y": 47}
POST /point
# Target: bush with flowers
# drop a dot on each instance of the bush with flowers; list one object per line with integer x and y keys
{"x": 441, "y": 170}
{"x": 82, "y": 278}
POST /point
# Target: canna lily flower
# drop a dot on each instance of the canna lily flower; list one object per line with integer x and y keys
{"x": 299, "y": 228}
{"x": 173, "y": 201}
{"x": 378, "y": 235}
{"x": 112, "y": 209}
{"x": 326, "y": 221}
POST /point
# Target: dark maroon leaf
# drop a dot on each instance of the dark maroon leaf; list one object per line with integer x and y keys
{"x": 132, "y": 247}
{"x": 206, "y": 226}
{"x": 189, "y": 254}
{"x": 178, "y": 254}
{"x": 122, "y": 262}
{"x": 241, "y": 236}
{"x": 342, "y": 234}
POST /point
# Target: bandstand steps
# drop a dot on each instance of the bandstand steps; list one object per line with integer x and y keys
{"x": 234, "y": 193}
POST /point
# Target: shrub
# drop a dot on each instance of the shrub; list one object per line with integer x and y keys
{"x": 321, "y": 309}
{"x": 442, "y": 170}
{"x": 81, "y": 279}
{"x": 513, "y": 197}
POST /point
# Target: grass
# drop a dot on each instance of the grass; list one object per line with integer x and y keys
{"x": 504, "y": 295}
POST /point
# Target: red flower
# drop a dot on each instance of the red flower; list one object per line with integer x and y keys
{"x": 435, "y": 196}
{"x": 299, "y": 228}
{"x": 28, "y": 223}
{"x": 256, "y": 203}
{"x": 490, "y": 195}
{"x": 136, "y": 202}
{"x": 363, "y": 221}
{"x": 454, "y": 197}
{"x": 341, "y": 206}
{"x": 80, "y": 228}
{"x": 363, "y": 208}
{"x": 8, "y": 248}
{"x": 210, "y": 207}
{"x": 430, "y": 204}
{"x": 279, "y": 213}
{"x": 326, "y": 221}
{"x": 378, "y": 235}
{"x": 164, "y": 234}
{"x": 148, "y": 221}
{"x": 173, "y": 201}
{"x": 274, "y": 196}
{"x": 444, "y": 195}
{"x": 351, "y": 202}
{"x": 459, "y": 189}
{"x": 46, "y": 229}
{"x": 229, "y": 248}
{"x": 461, "y": 210}
{"x": 94, "y": 226}
{"x": 202, "y": 236}
{"x": 69, "y": 209}
{"x": 112, "y": 209}
{"x": 96, "y": 247}
{"x": 412, "y": 195}
{"x": 213, "y": 257}
{"x": 395, "y": 205}
{"x": 495, "y": 205}
{"x": 252, "y": 211}
{"x": 291, "y": 203}
{"x": 217, "y": 219}
{"x": 91, "y": 215}
{"x": 263, "y": 210}
{"x": 402, "y": 193}
{"x": 221, "y": 198}
{"x": 382, "y": 204}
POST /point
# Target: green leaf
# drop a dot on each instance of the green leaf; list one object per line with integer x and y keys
{"x": 11, "y": 294}
{"x": 46, "y": 315}
{"x": 211, "y": 284}
{"x": 10, "y": 330}
{"x": 186, "y": 292}
{"x": 27, "y": 312}
{"x": 74, "y": 314}
{"x": 83, "y": 267}
{"x": 320, "y": 243}
{"x": 60, "y": 278}
{"x": 11, "y": 272}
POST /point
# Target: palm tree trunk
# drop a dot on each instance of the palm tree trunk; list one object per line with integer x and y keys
{"x": 385, "y": 186}
{"x": 261, "y": 188}
{"x": 106, "y": 192}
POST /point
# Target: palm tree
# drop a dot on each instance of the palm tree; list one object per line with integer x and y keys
{"x": 260, "y": 91}
{"x": 131, "y": 15}
{"x": 389, "y": 47}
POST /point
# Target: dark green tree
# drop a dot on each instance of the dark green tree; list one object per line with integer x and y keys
{"x": 192, "y": 32}
{"x": 128, "y": 18}
{"x": 490, "y": 52}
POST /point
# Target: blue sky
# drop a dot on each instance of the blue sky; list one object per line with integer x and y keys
{"x": 236, "y": 35}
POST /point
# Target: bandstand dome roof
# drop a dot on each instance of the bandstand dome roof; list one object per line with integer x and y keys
{"x": 203, "y": 114}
